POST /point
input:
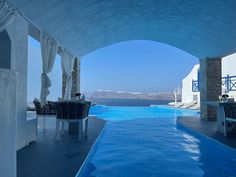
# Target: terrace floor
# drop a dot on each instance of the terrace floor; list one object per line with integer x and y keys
{"x": 48, "y": 158}
{"x": 208, "y": 128}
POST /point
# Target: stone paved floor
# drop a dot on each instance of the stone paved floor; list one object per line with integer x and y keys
{"x": 207, "y": 128}
{"x": 48, "y": 158}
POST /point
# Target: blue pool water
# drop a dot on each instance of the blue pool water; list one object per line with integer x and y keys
{"x": 146, "y": 142}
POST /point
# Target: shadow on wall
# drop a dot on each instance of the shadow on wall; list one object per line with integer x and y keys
{"x": 5, "y": 50}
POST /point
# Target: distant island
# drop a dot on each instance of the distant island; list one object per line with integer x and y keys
{"x": 110, "y": 97}
{"x": 110, "y": 94}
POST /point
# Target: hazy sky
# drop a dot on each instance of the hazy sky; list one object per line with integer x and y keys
{"x": 138, "y": 66}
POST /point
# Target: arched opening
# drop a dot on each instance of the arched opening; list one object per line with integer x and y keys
{"x": 135, "y": 69}
{"x": 5, "y": 50}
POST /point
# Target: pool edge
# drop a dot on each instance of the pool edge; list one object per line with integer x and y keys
{"x": 179, "y": 123}
{"x": 91, "y": 152}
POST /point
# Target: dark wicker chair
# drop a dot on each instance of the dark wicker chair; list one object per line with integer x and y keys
{"x": 89, "y": 104}
{"x": 72, "y": 112}
{"x": 45, "y": 111}
{"x": 229, "y": 114}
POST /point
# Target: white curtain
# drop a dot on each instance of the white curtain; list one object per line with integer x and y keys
{"x": 67, "y": 64}
{"x": 48, "y": 50}
{"x": 7, "y": 14}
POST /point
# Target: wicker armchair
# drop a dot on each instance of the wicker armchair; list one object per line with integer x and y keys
{"x": 72, "y": 112}
{"x": 89, "y": 104}
{"x": 45, "y": 111}
{"x": 229, "y": 115}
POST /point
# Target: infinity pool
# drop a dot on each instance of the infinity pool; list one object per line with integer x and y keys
{"x": 146, "y": 142}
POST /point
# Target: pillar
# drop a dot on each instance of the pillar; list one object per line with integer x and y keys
{"x": 210, "y": 86}
{"x": 75, "y": 80}
{"x": 14, "y": 57}
{"x": 18, "y": 33}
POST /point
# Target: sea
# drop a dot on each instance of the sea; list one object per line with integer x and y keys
{"x": 130, "y": 102}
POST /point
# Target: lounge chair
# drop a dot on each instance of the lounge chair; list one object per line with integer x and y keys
{"x": 188, "y": 105}
{"x": 179, "y": 104}
{"x": 195, "y": 107}
{"x": 72, "y": 112}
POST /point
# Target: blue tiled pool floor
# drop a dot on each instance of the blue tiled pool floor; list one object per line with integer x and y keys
{"x": 146, "y": 142}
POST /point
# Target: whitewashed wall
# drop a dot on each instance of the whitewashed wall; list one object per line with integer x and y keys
{"x": 8, "y": 90}
{"x": 228, "y": 68}
{"x": 187, "y": 94}
{"x": 13, "y": 97}
{"x": 18, "y": 33}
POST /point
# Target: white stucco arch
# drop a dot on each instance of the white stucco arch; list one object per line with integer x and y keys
{"x": 204, "y": 28}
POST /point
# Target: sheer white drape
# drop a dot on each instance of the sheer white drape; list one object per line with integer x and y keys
{"x": 67, "y": 64}
{"x": 48, "y": 50}
{"x": 7, "y": 14}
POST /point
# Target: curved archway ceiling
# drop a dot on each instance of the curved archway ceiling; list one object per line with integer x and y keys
{"x": 204, "y": 28}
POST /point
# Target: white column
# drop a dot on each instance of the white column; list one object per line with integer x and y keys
{"x": 18, "y": 33}
{"x": 8, "y": 97}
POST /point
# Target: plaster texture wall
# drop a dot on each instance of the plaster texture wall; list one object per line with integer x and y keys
{"x": 187, "y": 93}
{"x": 18, "y": 33}
{"x": 198, "y": 27}
{"x": 8, "y": 105}
{"x": 229, "y": 68}
{"x": 5, "y": 50}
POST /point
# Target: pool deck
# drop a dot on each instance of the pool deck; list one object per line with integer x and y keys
{"x": 48, "y": 158}
{"x": 208, "y": 128}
